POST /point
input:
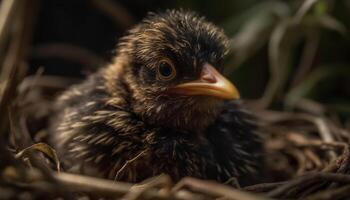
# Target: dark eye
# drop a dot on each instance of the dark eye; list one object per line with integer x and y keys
{"x": 166, "y": 70}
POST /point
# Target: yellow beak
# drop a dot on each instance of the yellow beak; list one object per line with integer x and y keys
{"x": 210, "y": 83}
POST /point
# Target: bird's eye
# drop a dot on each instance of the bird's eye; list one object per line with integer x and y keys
{"x": 166, "y": 70}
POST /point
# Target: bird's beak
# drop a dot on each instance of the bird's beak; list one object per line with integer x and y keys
{"x": 210, "y": 83}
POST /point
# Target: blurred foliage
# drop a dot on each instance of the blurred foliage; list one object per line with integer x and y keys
{"x": 284, "y": 52}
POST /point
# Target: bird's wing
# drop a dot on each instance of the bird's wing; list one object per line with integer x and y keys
{"x": 236, "y": 144}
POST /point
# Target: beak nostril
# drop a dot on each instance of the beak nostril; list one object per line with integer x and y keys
{"x": 207, "y": 75}
{"x": 209, "y": 78}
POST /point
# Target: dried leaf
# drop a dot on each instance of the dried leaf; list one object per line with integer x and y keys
{"x": 43, "y": 148}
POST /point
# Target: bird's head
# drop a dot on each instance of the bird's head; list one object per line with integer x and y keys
{"x": 174, "y": 69}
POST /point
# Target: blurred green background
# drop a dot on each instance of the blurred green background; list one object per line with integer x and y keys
{"x": 290, "y": 54}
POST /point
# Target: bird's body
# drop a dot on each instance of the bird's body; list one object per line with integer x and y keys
{"x": 136, "y": 118}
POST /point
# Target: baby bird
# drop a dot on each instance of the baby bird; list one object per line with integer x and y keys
{"x": 161, "y": 106}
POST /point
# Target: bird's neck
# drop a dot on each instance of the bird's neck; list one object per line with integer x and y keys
{"x": 183, "y": 114}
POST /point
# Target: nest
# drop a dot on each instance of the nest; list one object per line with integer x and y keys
{"x": 307, "y": 156}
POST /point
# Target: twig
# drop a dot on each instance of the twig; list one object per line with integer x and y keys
{"x": 137, "y": 190}
{"x": 16, "y": 54}
{"x": 7, "y": 9}
{"x": 263, "y": 187}
{"x": 314, "y": 158}
{"x": 320, "y": 123}
{"x": 215, "y": 189}
{"x": 79, "y": 183}
{"x": 127, "y": 163}
{"x": 342, "y": 192}
{"x": 20, "y": 136}
{"x": 314, "y": 177}
{"x": 300, "y": 157}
